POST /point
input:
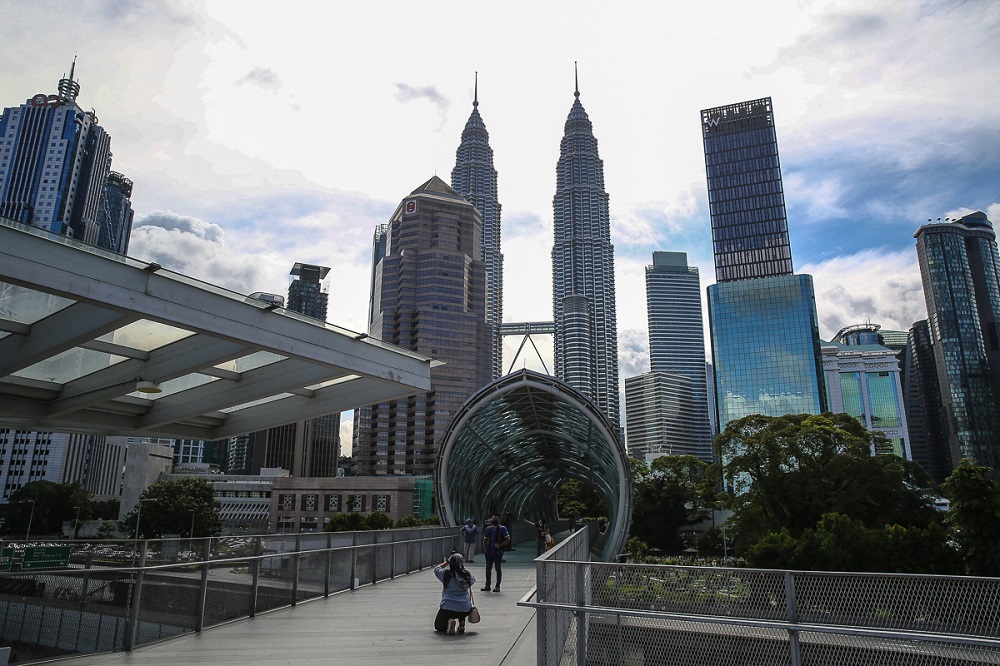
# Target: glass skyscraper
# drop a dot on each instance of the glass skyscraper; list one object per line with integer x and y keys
{"x": 960, "y": 271}
{"x": 677, "y": 345}
{"x": 583, "y": 270}
{"x": 430, "y": 297}
{"x": 475, "y": 179}
{"x": 764, "y": 328}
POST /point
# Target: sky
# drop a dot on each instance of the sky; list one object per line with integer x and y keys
{"x": 260, "y": 134}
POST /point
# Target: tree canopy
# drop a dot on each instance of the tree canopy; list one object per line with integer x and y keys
{"x": 974, "y": 516}
{"x": 46, "y": 505}
{"x": 172, "y": 507}
{"x": 671, "y": 493}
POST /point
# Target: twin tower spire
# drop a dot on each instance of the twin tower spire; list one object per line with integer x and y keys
{"x": 583, "y": 276}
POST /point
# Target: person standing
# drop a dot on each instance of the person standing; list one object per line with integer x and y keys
{"x": 495, "y": 539}
{"x": 542, "y": 531}
{"x": 456, "y": 600}
{"x": 470, "y": 532}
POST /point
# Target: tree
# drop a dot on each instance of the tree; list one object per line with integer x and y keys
{"x": 376, "y": 520}
{"x": 974, "y": 516}
{"x": 172, "y": 507}
{"x": 47, "y": 506}
{"x": 346, "y": 522}
{"x": 672, "y": 495}
{"x": 575, "y": 498}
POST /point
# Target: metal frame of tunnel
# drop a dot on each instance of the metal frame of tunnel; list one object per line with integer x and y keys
{"x": 511, "y": 444}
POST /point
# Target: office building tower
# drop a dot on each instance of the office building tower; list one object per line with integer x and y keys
{"x": 116, "y": 214}
{"x": 583, "y": 269}
{"x": 307, "y": 448}
{"x": 54, "y": 164}
{"x": 764, "y": 328}
{"x": 430, "y": 297}
{"x": 863, "y": 380}
{"x": 475, "y": 179}
{"x": 960, "y": 271}
{"x": 658, "y": 413}
{"x": 55, "y": 174}
{"x": 677, "y": 344}
{"x": 925, "y": 418}
{"x": 379, "y": 241}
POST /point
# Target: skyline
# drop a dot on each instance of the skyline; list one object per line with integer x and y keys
{"x": 246, "y": 136}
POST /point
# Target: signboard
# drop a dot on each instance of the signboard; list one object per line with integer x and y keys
{"x": 45, "y": 557}
{"x": 6, "y": 558}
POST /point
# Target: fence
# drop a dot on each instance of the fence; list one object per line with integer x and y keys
{"x": 119, "y": 595}
{"x": 601, "y": 613}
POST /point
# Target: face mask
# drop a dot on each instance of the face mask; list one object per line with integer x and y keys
{"x": 496, "y": 522}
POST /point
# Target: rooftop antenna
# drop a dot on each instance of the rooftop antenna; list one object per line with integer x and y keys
{"x": 475, "y": 94}
{"x": 576, "y": 80}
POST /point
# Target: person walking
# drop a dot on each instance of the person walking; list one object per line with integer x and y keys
{"x": 470, "y": 532}
{"x": 542, "y": 531}
{"x": 495, "y": 539}
{"x": 456, "y": 599}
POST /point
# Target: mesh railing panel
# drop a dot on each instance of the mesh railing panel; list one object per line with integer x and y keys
{"x": 230, "y": 592}
{"x": 274, "y": 586}
{"x": 340, "y": 570}
{"x": 312, "y": 575}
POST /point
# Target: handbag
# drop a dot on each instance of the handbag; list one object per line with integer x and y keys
{"x": 474, "y": 616}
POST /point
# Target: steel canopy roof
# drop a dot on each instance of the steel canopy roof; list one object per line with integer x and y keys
{"x": 515, "y": 440}
{"x": 95, "y": 342}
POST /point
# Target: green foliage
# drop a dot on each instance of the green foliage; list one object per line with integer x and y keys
{"x": 974, "y": 517}
{"x": 409, "y": 520}
{"x": 171, "y": 507}
{"x": 377, "y": 520}
{"x": 432, "y": 520}
{"x": 670, "y": 494}
{"x": 46, "y": 505}
{"x": 105, "y": 510}
{"x": 346, "y": 522}
{"x": 575, "y": 498}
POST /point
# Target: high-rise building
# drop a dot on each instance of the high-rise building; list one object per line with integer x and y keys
{"x": 960, "y": 271}
{"x": 55, "y": 161}
{"x": 762, "y": 317}
{"x": 863, "y": 379}
{"x": 925, "y": 418}
{"x": 307, "y": 448}
{"x": 55, "y": 174}
{"x": 677, "y": 348}
{"x": 475, "y": 179}
{"x": 430, "y": 297}
{"x": 583, "y": 269}
{"x": 658, "y": 413}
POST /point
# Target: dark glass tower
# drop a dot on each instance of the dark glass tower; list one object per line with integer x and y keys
{"x": 745, "y": 197}
{"x": 583, "y": 269}
{"x": 305, "y": 293}
{"x": 116, "y": 214}
{"x": 764, "y": 328}
{"x": 475, "y": 179}
{"x": 960, "y": 271}
{"x": 429, "y": 297}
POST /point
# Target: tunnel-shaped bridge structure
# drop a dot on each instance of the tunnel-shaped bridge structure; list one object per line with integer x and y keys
{"x": 513, "y": 442}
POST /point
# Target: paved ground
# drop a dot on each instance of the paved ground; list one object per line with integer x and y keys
{"x": 388, "y": 623}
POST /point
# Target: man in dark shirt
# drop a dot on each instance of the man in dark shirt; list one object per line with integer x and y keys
{"x": 495, "y": 539}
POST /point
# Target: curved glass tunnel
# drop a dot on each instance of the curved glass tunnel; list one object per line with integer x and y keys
{"x": 514, "y": 441}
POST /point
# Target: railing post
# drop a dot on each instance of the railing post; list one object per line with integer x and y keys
{"x": 295, "y": 568}
{"x": 581, "y": 615}
{"x": 541, "y": 615}
{"x": 206, "y": 553}
{"x": 255, "y": 584}
{"x": 354, "y": 558}
{"x": 133, "y": 611}
{"x": 792, "y": 614}
{"x": 327, "y": 563}
{"x": 374, "y": 559}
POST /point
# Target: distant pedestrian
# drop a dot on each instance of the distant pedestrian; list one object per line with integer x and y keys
{"x": 495, "y": 539}
{"x": 470, "y": 532}
{"x": 456, "y": 599}
{"x": 542, "y": 535}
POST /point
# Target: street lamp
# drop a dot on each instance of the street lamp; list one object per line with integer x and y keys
{"x": 191, "y": 533}
{"x": 76, "y": 521}
{"x": 31, "y": 518}
{"x": 138, "y": 514}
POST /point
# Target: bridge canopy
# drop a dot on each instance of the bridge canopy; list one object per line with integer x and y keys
{"x": 512, "y": 444}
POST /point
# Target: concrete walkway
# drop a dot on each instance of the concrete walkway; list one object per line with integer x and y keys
{"x": 387, "y": 623}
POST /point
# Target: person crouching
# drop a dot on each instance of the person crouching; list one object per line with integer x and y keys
{"x": 455, "y": 600}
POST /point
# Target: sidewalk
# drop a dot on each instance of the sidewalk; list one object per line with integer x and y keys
{"x": 387, "y": 623}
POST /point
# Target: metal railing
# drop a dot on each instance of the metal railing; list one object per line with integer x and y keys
{"x": 116, "y": 596}
{"x": 601, "y": 613}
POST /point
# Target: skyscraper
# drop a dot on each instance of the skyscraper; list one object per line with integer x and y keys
{"x": 430, "y": 297}
{"x": 583, "y": 269}
{"x": 764, "y": 328}
{"x": 55, "y": 174}
{"x": 960, "y": 271}
{"x": 309, "y": 448}
{"x": 677, "y": 346}
{"x": 475, "y": 179}
{"x": 55, "y": 161}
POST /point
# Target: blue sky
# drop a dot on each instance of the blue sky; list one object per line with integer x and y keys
{"x": 259, "y": 135}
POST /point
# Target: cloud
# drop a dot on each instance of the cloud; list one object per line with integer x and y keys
{"x": 872, "y": 285}
{"x": 263, "y": 78}
{"x": 407, "y": 93}
{"x": 633, "y": 353}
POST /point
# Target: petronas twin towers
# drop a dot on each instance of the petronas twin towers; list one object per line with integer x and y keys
{"x": 583, "y": 276}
